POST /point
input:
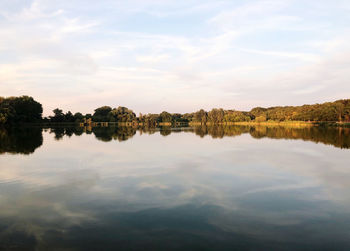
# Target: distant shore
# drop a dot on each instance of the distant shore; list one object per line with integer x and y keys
{"x": 24, "y": 109}
{"x": 280, "y": 123}
{"x": 169, "y": 124}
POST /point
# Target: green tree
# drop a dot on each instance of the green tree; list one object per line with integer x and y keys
{"x": 58, "y": 116}
{"x": 235, "y": 116}
{"x": 68, "y": 117}
{"x": 165, "y": 117}
{"x": 121, "y": 114}
{"x": 78, "y": 117}
{"x": 261, "y": 118}
{"x": 101, "y": 114}
{"x": 216, "y": 116}
{"x": 201, "y": 116}
{"x": 22, "y": 109}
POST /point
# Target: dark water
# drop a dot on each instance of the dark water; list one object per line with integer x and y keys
{"x": 216, "y": 188}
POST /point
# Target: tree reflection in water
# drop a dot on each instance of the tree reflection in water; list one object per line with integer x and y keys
{"x": 20, "y": 140}
{"x": 27, "y": 139}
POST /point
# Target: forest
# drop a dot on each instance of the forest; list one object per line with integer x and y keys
{"x": 25, "y": 109}
{"x": 16, "y": 110}
{"x": 338, "y": 111}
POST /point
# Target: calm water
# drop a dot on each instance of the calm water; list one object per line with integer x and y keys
{"x": 223, "y": 188}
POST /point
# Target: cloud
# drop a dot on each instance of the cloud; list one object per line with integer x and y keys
{"x": 254, "y": 13}
{"x": 296, "y": 55}
{"x": 152, "y": 54}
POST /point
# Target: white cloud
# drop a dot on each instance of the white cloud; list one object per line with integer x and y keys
{"x": 248, "y": 54}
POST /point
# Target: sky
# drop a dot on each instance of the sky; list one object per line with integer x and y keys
{"x": 178, "y": 56}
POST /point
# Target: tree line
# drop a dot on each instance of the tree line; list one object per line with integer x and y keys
{"x": 338, "y": 111}
{"x": 25, "y": 109}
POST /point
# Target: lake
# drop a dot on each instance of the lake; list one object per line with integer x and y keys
{"x": 201, "y": 188}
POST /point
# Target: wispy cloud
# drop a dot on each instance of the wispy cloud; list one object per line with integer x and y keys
{"x": 166, "y": 55}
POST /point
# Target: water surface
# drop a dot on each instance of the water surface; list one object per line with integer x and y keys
{"x": 223, "y": 188}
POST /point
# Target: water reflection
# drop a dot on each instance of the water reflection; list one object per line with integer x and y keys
{"x": 172, "y": 190}
{"x": 20, "y": 140}
{"x": 338, "y": 137}
{"x": 26, "y": 140}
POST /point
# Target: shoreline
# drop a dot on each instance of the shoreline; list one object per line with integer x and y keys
{"x": 192, "y": 124}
